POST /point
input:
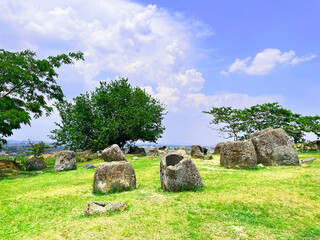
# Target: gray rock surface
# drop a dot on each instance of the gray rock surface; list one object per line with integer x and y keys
{"x": 111, "y": 176}
{"x": 38, "y": 172}
{"x": 35, "y": 164}
{"x": 66, "y": 160}
{"x": 88, "y": 165}
{"x": 178, "y": 172}
{"x": 113, "y": 153}
{"x": 100, "y": 208}
{"x": 274, "y": 147}
{"x": 218, "y": 147}
{"x": 238, "y": 155}
{"x": 197, "y": 151}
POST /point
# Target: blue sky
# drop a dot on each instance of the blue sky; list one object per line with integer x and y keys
{"x": 190, "y": 54}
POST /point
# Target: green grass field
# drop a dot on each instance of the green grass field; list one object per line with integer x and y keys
{"x": 269, "y": 203}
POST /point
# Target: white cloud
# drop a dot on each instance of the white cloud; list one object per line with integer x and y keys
{"x": 265, "y": 61}
{"x": 236, "y": 100}
{"x": 147, "y": 44}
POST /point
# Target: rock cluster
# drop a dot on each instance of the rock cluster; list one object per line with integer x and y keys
{"x": 35, "y": 164}
{"x": 178, "y": 172}
{"x": 66, "y": 160}
{"x": 266, "y": 147}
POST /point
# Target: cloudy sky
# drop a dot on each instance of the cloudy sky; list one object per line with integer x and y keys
{"x": 190, "y": 54}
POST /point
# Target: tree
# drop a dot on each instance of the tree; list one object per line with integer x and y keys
{"x": 24, "y": 83}
{"x": 115, "y": 113}
{"x": 37, "y": 148}
{"x": 240, "y": 123}
{"x": 232, "y": 120}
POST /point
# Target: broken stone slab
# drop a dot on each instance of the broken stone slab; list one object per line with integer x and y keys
{"x": 38, "y": 172}
{"x": 307, "y": 160}
{"x": 100, "y": 208}
{"x": 88, "y": 165}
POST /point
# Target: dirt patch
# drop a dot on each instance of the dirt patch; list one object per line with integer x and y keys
{"x": 7, "y": 164}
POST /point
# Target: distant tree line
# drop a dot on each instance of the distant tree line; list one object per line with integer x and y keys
{"x": 240, "y": 123}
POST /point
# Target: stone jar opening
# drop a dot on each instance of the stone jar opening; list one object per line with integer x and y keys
{"x": 173, "y": 159}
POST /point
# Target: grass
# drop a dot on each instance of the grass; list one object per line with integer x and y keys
{"x": 269, "y": 203}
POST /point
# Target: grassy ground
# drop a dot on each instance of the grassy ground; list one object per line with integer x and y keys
{"x": 268, "y": 203}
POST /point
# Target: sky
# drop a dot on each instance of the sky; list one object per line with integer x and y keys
{"x": 192, "y": 55}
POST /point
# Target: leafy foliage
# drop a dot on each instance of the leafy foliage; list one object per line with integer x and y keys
{"x": 240, "y": 123}
{"x": 38, "y": 148}
{"x": 24, "y": 83}
{"x": 114, "y": 113}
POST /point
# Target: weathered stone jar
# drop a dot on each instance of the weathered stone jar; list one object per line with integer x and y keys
{"x": 110, "y": 176}
{"x": 197, "y": 151}
{"x": 35, "y": 164}
{"x": 178, "y": 172}
{"x": 238, "y": 155}
{"x": 66, "y": 160}
{"x": 274, "y": 147}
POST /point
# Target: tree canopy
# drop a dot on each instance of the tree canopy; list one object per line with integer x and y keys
{"x": 240, "y": 123}
{"x": 115, "y": 113}
{"x": 26, "y": 84}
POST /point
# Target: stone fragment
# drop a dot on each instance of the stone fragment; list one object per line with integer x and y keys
{"x": 208, "y": 157}
{"x": 100, "y": 208}
{"x": 178, "y": 172}
{"x": 88, "y": 165}
{"x": 260, "y": 165}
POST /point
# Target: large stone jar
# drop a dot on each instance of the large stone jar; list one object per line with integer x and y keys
{"x": 178, "y": 172}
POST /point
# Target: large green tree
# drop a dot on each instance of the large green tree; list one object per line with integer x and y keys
{"x": 115, "y": 112}
{"x": 240, "y": 123}
{"x": 26, "y": 84}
